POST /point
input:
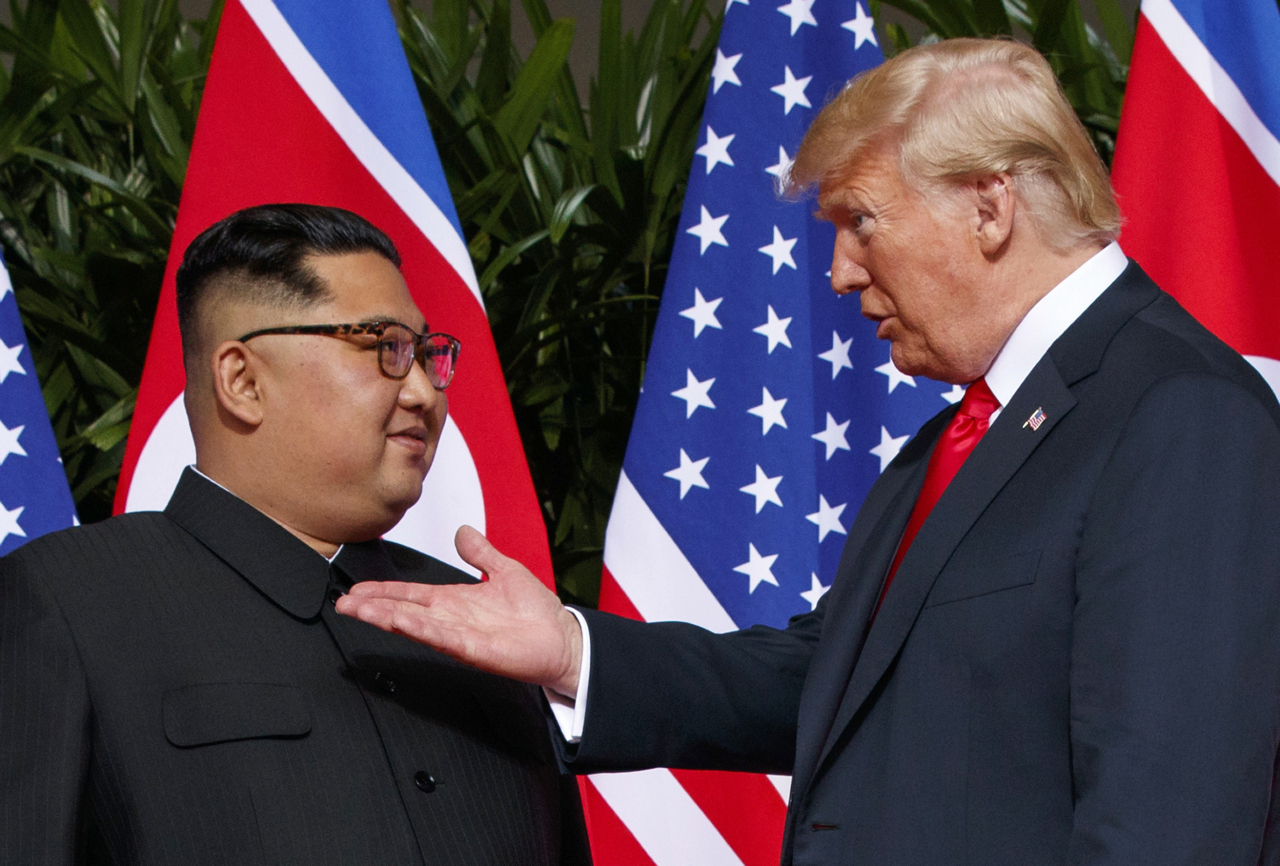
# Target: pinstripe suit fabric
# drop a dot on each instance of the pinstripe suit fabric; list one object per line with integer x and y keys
{"x": 176, "y": 688}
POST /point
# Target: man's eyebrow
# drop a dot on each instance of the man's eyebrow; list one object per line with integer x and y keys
{"x": 390, "y": 319}
{"x": 831, "y": 206}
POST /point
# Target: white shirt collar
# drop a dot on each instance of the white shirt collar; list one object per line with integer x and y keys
{"x": 193, "y": 468}
{"x": 1049, "y": 318}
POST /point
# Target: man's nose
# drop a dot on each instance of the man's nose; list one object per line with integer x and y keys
{"x": 847, "y": 274}
{"x": 416, "y": 390}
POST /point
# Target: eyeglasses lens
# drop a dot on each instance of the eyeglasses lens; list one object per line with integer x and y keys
{"x": 395, "y": 351}
{"x": 440, "y": 352}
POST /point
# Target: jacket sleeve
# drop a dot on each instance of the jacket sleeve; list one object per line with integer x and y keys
{"x": 44, "y": 722}
{"x": 670, "y": 694}
{"x": 1175, "y": 667}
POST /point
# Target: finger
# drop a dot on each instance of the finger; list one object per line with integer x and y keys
{"x": 374, "y": 611}
{"x": 393, "y": 589}
{"x": 476, "y": 550}
{"x": 398, "y": 617}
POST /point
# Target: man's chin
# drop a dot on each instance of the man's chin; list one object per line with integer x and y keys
{"x": 929, "y": 365}
{"x": 378, "y": 525}
{"x": 403, "y": 495}
{"x": 908, "y": 363}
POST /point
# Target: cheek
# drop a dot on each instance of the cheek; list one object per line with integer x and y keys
{"x": 439, "y": 411}
{"x": 347, "y": 416}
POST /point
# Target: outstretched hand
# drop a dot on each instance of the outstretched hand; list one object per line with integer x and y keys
{"x": 510, "y": 625}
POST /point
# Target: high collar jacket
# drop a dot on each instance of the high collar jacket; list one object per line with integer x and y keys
{"x": 1078, "y": 660}
{"x": 177, "y": 688}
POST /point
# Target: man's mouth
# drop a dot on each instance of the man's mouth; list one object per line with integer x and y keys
{"x": 412, "y": 438}
{"x": 882, "y": 324}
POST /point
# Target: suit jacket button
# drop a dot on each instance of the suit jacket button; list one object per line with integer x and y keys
{"x": 425, "y": 781}
{"x": 385, "y": 682}
{"x": 335, "y": 594}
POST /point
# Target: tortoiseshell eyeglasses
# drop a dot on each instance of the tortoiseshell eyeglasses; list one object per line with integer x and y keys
{"x": 398, "y": 347}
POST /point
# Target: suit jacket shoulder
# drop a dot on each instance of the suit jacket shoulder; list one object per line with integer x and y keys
{"x": 176, "y": 688}
{"x": 1139, "y": 335}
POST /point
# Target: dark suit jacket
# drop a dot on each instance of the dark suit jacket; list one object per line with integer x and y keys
{"x": 1078, "y": 660}
{"x": 176, "y": 688}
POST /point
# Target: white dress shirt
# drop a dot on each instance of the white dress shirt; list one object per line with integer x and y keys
{"x": 1044, "y": 323}
{"x": 1039, "y": 329}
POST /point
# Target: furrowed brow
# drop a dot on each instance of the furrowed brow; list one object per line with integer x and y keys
{"x": 833, "y": 208}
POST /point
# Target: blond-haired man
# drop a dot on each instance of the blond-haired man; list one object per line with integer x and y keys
{"x": 1055, "y": 633}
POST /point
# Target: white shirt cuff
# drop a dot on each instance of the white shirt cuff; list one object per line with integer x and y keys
{"x": 571, "y": 713}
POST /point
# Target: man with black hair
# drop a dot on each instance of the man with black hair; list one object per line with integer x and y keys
{"x": 176, "y": 687}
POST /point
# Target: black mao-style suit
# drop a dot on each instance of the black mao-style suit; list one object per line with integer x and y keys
{"x": 176, "y": 688}
{"x": 1078, "y": 660}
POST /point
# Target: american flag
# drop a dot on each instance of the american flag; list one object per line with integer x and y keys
{"x": 768, "y": 410}
{"x": 34, "y": 497}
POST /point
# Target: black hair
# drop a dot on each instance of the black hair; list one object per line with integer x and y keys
{"x": 261, "y": 250}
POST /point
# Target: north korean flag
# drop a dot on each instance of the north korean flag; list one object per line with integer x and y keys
{"x": 1197, "y": 165}
{"x": 313, "y": 101}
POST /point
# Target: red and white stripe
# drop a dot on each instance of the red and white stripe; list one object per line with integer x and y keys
{"x": 1198, "y": 178}
{"x": 674, "y": 817}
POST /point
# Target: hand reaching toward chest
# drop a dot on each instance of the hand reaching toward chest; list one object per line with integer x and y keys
{"x": 510, "y": 624}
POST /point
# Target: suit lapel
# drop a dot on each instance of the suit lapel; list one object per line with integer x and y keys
{"x": 266, "y": 554}
{"x": 998, "y": 456}
{"x": 872, "y": 542}
{"x": 1008, "y": 444}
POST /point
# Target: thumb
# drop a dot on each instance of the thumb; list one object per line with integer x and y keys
{"x": 476, "y": 550}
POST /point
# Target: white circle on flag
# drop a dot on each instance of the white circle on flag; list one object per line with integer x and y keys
{"x": 451, "y": 493}
{"x": 1269, "y": 368}
{"x": 169, "y": 450}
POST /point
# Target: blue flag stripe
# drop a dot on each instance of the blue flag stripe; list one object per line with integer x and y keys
{"x": 385, "y": 97}
{"x": 1244, "y": 37}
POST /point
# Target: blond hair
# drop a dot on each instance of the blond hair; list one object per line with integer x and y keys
{"x": 963, "y": 108}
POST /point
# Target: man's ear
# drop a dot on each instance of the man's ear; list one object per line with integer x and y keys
{"x": 996, "y": 203}
{"x": 236, "y": 382}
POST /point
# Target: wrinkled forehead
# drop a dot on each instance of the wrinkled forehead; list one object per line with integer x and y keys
{"x": 870, "y": 178}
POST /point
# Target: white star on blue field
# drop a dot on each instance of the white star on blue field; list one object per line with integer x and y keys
{"x": 34, "y": 496}
{"x": 769, "y": 407}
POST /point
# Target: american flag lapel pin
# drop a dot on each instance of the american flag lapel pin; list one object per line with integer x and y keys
{"x": 1037, "y": 418}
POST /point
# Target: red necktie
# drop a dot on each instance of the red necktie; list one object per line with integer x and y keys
{"x": 957, "y": 441}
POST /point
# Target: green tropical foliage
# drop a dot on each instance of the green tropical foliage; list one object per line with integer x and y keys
{"x": 570, "y": 214}
{"x": 569, "y": 211}
{"x": 96, "y": 117}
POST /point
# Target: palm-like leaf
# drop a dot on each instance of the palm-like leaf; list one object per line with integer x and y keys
{"x": 98, "y": 114}
{"x": 569, "y": 212}
{"x": 570, "y": 217}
